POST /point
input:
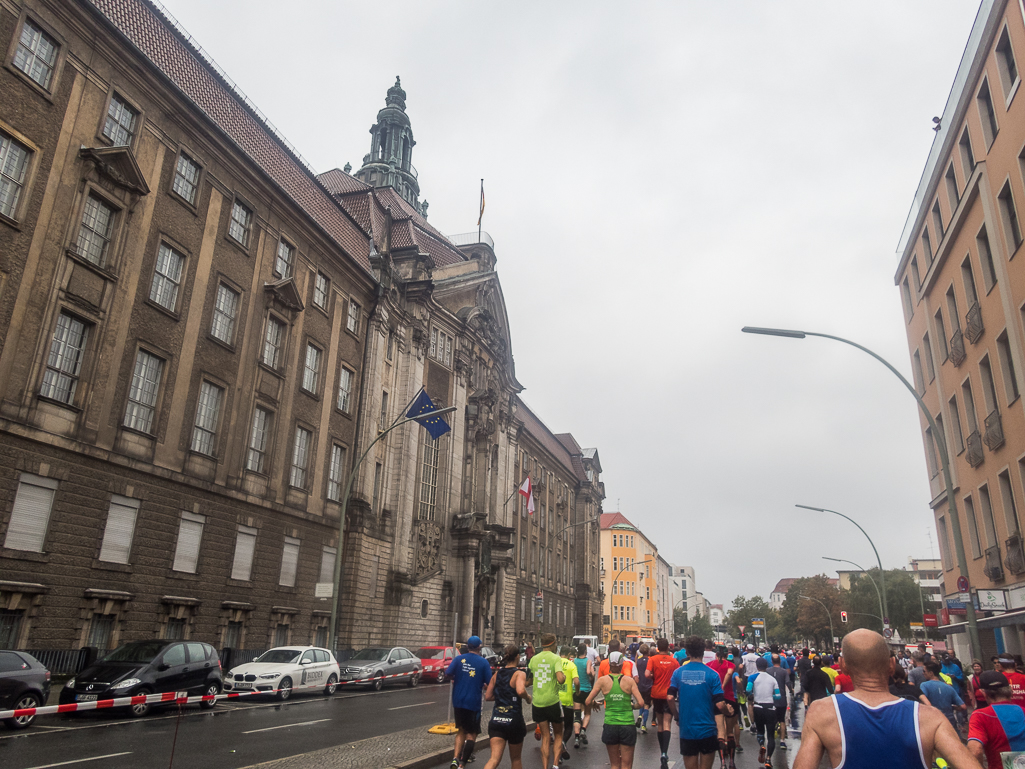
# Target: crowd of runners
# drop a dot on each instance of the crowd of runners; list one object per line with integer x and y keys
{"x": 865, "y": 706}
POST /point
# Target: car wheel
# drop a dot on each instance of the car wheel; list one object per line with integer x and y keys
{"x": 212, "y": 690}
{"x": 441, "y": 676}
{"x": 414, "y": 679}
{"x": 285, "y": 688}
{"x": 378, "y": 683}
{"x": 332, "y": 685}
{"x": 141, "y": 709}
{"x": 26, "y": 700}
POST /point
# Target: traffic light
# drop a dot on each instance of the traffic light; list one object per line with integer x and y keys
{"x": 843, "y": 616}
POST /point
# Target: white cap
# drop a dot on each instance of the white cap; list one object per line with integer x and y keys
{"x": 616, "y": 658}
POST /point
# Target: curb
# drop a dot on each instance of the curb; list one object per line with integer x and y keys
{"x": 432, "y": 759}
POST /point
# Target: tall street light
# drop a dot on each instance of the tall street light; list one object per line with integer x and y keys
{"x": 882, "y": 609}
{"x": 955, "y": 522}
{"x": 612, "y": 621}
{"x": 828, "y": 614}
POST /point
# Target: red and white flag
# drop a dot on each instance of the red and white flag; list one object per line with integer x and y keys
{"x": 528, "y": 491}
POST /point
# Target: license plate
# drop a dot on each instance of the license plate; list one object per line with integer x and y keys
{"x": 242, "y": 685}
{"x": 86, "y": 697}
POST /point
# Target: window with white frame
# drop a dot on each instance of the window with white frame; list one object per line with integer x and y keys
{"x": 119, "y": 126}
{"x": 311, "y": 368}
{"x": 14, "y": 159}
{"x": 36, "y": 55}
{"x": 30, "y": 514}
{"x": 429, "y": 479}
{"x": 208, "y": 413}
{"x": 142, "y": 393}
{"x": 344, "y": 389}
{"x": 273, "y": 342}
{"x": 190, "y": 537}
{"x": 257, "y": 454}
{"x": 335, "y": 472}
{"x": 240, "y": 226}
{"x": 96, "y": 230}
{"x": 300, "y": 458}
{"x": 120, "y": 529}
{"x": 167, "y": 276}
{"x": 186, "y": 178}
{"x": 225, "y": 312}
{"x": 285, "y": 259}
{"x": 289, "y": 562}
{"x": 327, "y": 563}
{"x": 1006, "y": 64}
{"x": 64, "y": 363}
{"x": 352, "y": 323}
{"x": 441, "y": 346}
{"x": 245, "y": 549}
{"x": 321, "y": 290}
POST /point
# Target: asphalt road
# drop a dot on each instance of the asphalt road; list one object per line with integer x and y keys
{"x": 234, "y": 734}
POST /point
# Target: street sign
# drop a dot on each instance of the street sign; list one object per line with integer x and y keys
{"x": 962, "y": 584}
{"x": 929, "y": 620}
{"x": 992, "y": 600}
{"x": 915, "y": 625}
{"x": 758, "y": 622}
{"x": 758, "y": 633}
{"x": 741, "y": 627}
{"x": 887, "y": 633}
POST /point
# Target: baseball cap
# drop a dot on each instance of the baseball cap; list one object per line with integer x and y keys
{"x": 616, "y": 658}
{"x": 992, "y": 679}
{"x": 473, "y": 642}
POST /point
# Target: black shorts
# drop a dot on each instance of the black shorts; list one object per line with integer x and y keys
{"x": 618, "y": 734}
{"x": 704, "y": 746}
{"x": 781, "y": 713}
{"x": 552, "y": 713}
{"x": 567, "y": 718}
{"x": 646, "y": 696}
{"x": 732, "y": 709}
{"x": 580, "y": 697}
{"x": 659, "y": 706}
{"x": 467, "y": 720}
{"x": 512, "y": 730}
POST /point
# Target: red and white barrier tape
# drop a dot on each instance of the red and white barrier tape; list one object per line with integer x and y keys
{"x": 180, "y": 698}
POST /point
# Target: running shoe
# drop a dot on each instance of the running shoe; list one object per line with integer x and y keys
{"x": 576, "y": 743}
{"x": 768, "y": 765}
{"x": 665, "y": 762}
{"x": 454, "y": 764}
{"x": 761, "y": 755}
{"x": 584, "y": 735}
{"x": 638, "y": 724}
{"x": 782, "y": 745}
{"x": 644, "y": 729}
{"x": 738, "y": 748}
{"x": 537, "y": 732}
{"x": 565, "y": 755}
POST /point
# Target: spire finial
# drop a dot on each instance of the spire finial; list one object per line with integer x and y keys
{"x": 396, "y": 95}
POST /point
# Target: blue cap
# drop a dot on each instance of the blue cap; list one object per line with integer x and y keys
{"x": 473, "y": 642}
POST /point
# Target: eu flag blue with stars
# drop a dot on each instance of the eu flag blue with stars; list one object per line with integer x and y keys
{"x": 436, "y": 426}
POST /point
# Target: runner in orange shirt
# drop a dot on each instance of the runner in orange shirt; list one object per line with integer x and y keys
{"x": 660, "y": 669}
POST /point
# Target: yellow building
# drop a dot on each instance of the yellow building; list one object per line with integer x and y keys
{"x": 628, "y": 581}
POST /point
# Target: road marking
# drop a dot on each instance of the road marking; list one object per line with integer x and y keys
{"x": 283, "y": 726}
{"x": 80, "y": 760}
{"x": 417, "y": 705}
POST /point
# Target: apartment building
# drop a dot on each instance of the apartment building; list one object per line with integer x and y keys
{"x": 629, "y": 582}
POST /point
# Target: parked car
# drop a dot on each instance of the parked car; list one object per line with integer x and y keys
{"x": 282, "y": 669}
{"x": 148, "y": 667}
{"x": 377, "y": 662}
{"x": 494, "y": 658}
{"x": 435, "y": 661}
{"x": 24, "y": 683}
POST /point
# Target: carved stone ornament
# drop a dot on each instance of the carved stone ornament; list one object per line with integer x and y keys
{"x": 428, "y": 547}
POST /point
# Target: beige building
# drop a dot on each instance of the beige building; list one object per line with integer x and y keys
{"x": 629, "y": 580}
{"x": 961, "y": 276}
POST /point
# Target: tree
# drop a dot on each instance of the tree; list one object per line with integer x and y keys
{"x": 903, "y": 601}
{"x": 688, "y": 626}
{"x": 809, "y": 620}
{"x": 746, "y": 609}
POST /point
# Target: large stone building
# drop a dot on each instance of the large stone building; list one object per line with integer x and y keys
{"x": 961, "y": 276}
{"x": 201, "y": 337}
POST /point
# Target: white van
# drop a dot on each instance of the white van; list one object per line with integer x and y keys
{"x": 590, "y": 640}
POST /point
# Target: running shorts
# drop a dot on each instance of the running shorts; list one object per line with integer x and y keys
{"x": 580, "y": 697}
{"x": 618, "y": 734}
{"x": 781, "y": 714}
{"x": 732, "y": 709}
{"x": 646, "y": 696}
{"x": 703, "y": 746}
{"x": 552, "y": 713}
{"x": 467, "y": 720}
{"x": 659, "y": 706}
{"x": 512, "y": 730}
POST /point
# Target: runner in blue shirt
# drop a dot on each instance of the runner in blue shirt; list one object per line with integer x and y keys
{"x": 469, "y": 674}
{"x": 696, "y": 697}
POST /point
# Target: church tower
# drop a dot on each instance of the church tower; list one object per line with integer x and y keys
{"x": 391, "y": 149}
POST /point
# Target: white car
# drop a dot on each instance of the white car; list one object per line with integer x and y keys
{"x": 284, "y": 669}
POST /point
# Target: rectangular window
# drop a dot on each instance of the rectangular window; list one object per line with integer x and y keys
{"x": 284, "y": 261}
{"x": 428, "y": 479}
{"x": 240, "y": 226}
{"x": 941, "y": 335}
{"x": 391, "y": 345}
{"x": 327, "y": 563}
{"x": 13, "y": 167}
{"x": 352, "y": 323}
{"x": 927, "y": 247}
{"x": 245, "y": 549}
{"x": 989, "y": 390}
{"x": 208, "y": 412}
{"x": 95, "y": 231}
{"x": 190, "y": 537}
{"x": 311, "y": 369}
{"x": 523, "y": 553}
{"x": 186, "y": 178}
{"x": 300, "y": 458}
{"x": 256, "y": 456}
{"x": 273, "y": 342}
{"x": 1009, "y": 214}
{"x": 64, "y": 363}
{"x": 953, "y": 193}
{"x": 915, "y": 275}
{"x": 142, "y": 393}
{"x": 378, "y": 480}
{"x": 952, "y": 312}
{"x": 101, "y": 630}
{"x": 956, "y": 434}
{"x": 31, "y": 513}
{"x": 167, "y": 275}
{"x": 1007, "y": 368}
{"x": 973, "y": 527}
{"x": 989, "y": 275}
{"x": 909, "y": 309}
{"x": 930, "y": 365}
{"x": 321, "y": 287}
{"x": 441, "y": 346}
{"x": 344, "y": 389}
{"x": 36, "y": 55}
{"x": 281, "y": 634}
{"x": 916, "y": 370}
{"x": 289, "y": 562}
{"x": 969, "y": 405}
{"x": 120, "y": 528}
{"x": 335, "y": 473}
{"x": 967, "y": 154}
{"x": 937, "y": 220}
{"x": 968, "y": 278}
{"x": 1006, "y": 64}
{"x": 225, "y": 312}
{"x": 1007, "y": 498}
{"x": 987, "y": 115}
{"x": 988, "y": 525}
{"x": 233, "y": 635}
{"x": 383, "y": 423}
{"x": 120, "y": 124}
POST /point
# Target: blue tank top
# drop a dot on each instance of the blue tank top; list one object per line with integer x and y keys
{"x": 887, "y": 735}
{"x": 585, "y": 682}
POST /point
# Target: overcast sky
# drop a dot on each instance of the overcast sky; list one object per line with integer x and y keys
{"x": 659, "y": 174}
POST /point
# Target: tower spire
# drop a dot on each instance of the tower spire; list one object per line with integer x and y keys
{"x": 389, "y": 163}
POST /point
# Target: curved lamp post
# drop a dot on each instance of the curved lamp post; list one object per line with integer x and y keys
{"x": 941, "y": 446}
{"x": 829, "y": 614}
{"x": 882, "y": 609}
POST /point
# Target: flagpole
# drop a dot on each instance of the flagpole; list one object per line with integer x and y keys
{"x": 481, "y": 217}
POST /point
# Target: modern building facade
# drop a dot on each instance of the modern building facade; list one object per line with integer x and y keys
{"x": 630, "y": 565}
{"x": 685, "y": 589}
{"x": 664, "y": 601}
{"x": 928, "y": 575}
{"x": 961, "y": 277}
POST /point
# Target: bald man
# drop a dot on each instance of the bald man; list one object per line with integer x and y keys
{"x": 871, "y": 728}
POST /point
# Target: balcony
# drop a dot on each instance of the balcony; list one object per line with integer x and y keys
{"x": 974, "y": 452}
{"x": 994, "y": 570}
{"x": 973, "y": 324}
{"x": 957, "y": 353}
{"x": 1015, "y": 558}
{"x": 994, "y": 437}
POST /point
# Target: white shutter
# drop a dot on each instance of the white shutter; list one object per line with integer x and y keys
{"x": 120, "y": 528}
{"x": 245, "y": 547}
{"x": 327, "y": 564}
{"x": 289, "y": 562}
{"x": 31, "y": 513}
{"x": 190, "y": 535}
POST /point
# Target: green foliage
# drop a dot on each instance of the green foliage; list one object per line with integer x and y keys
{"x": 746, "y": 609}
{"x": 685, "y": 626}
{"x": 903, "y": 601}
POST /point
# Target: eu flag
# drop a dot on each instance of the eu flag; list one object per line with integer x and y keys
{"x": 436, "y": 426}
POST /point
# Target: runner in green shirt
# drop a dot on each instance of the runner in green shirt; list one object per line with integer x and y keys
{"x": 621, "y": 698}
{"x": 546, "y": 673}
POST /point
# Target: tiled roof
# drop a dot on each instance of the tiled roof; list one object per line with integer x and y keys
{"x": 567, "y": 440}
{"x": 784, "y": 585}
{"x": 608, "y": 520}
{"x": 338, "y": 182}
{"x": 543, "y": 435}
{"x": 159, "y": 41}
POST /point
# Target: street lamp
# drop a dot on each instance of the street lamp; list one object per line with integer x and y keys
{"x": 955, "y": 522}
{"x": 828, "y": 614}
{"x": 882, "y": 608}
{"x": 612, "y": 621}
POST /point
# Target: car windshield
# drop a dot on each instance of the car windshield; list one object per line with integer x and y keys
{"x": 279, "y": 655}
{"x": 431, "y": 653}
{"x": 137, "y": 651}
{"x": 374, "y": 655}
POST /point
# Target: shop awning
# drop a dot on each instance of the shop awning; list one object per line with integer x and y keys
{"x": 1000, "y": 620}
